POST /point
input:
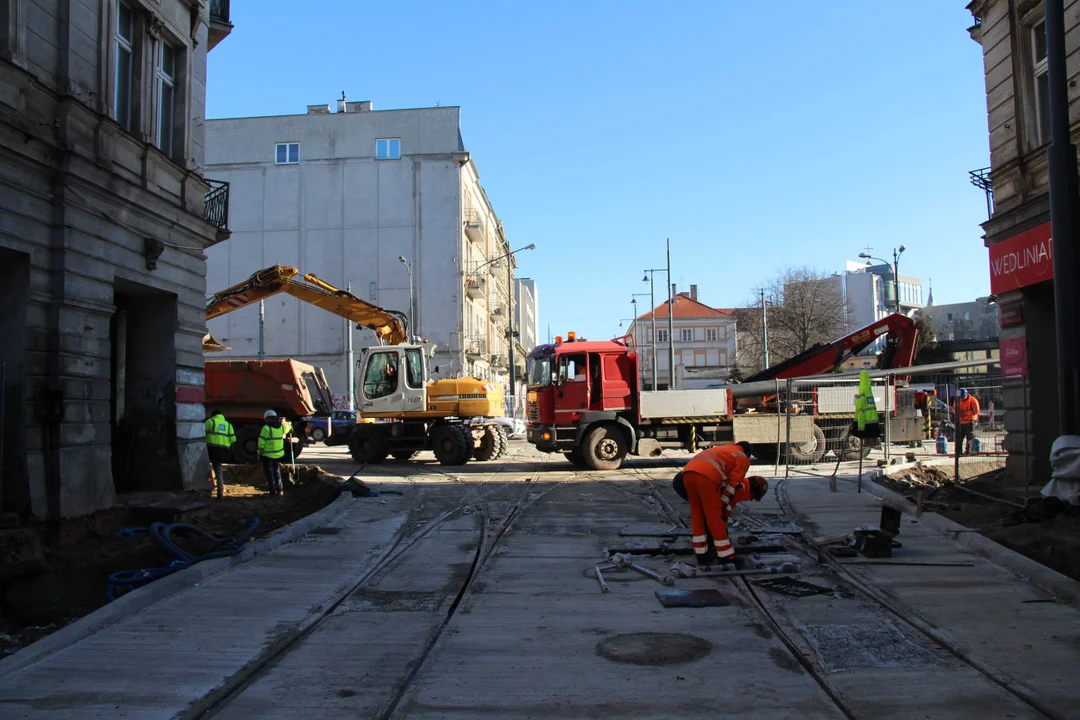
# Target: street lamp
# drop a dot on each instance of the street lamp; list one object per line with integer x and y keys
{"x": 896, "y": 253}
{"x": 509, "y": 313}
{"x": 412, "y": 301}
{"x": 650, "y": 275}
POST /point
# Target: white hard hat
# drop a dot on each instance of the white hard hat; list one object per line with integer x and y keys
{"x": 269, "y": 414}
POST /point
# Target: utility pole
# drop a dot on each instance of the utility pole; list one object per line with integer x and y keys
{"x": 262, "y": 331}
{"x": 1064, "y": 223}
{"x": 651, "y": 278}
{"x": 764, "y": 333}
{"x": 350, "y": 368}
{"x": 671, "y": 321}
{"x": 510, "y": 332}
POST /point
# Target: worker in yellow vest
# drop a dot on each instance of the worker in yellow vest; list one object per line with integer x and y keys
{"x": 220, "y": 438}
{"x": 271, "y": 450}
{"x": 867, "y": 425}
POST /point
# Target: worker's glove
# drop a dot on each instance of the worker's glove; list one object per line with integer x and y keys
{"x": 294, "y": 440}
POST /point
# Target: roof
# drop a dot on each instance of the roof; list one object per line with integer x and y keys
{"x": 687, "y": 309}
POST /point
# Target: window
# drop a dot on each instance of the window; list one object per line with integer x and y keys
{"x": 166, "y": 89}
{"x": 414, "y": 368}
{"x": 381, "y": 376}
{"x": 1041, "y": 79}
{"x": 661, "y": 336}
{"x": 388, "y": 149}
{"x": 125, "y": 49}
{"x": 711, "y": 335}
{"x": 288, "y": 154}
{"x": 687, "y": 335}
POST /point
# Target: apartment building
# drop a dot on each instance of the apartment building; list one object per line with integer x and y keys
{"x": 704, "y": 343}
{"x": 105, "y": 214}
{"x": 527, "y": 318}
{"x": 1012, "y": 34}
{"x": 367, "y": 199}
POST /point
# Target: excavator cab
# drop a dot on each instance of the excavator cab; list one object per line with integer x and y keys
{"x": 393, "y": 380}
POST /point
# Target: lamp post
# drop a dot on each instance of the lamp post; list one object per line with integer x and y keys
{"x": 649, "y": 277}
{"x": 896, "y": 253}
{"x": 509, "y": 314}
{"x": 412, "y": 300}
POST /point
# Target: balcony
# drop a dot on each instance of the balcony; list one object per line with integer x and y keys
{"x": 474, "y": 227}
{"x": 476, "y": 348}
{"x": 476, "y": 285}
{"x": 498, "y": 362}
{"x": 216, "y": 209}
{"x": 220, "y": 27}
{"x": 981, "y": 179}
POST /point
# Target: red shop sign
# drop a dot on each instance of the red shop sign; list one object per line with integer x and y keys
{"x": 1022, "y": 260}
{"x": 1014, "y": 362}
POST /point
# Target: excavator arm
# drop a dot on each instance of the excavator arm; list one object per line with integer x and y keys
{"x": 389, "y": 326}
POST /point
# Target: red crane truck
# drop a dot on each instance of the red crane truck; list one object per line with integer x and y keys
{"x": 585, "y": 401}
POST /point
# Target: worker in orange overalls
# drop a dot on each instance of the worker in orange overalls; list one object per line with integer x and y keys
{"x": 714, "y": 482}
{"x": 967, "y": 409}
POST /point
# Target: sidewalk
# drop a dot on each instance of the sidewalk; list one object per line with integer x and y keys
{"x": 158, "y": 661}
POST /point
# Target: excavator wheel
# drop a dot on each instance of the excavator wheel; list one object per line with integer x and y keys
{"x": 491, "y": 445}
{"x": 367, "y": 446}
{"x": 452, "y": 444}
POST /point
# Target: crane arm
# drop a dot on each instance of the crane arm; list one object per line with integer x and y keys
{"x": 388, "y": 325}
{"x": 900, "y": 345}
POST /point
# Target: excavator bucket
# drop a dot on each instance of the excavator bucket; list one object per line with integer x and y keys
{"x": 209, "y": 344}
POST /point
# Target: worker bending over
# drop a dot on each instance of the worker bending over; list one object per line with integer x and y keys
{"x": 714, "y": 482}
{"x": 272, "y": 439}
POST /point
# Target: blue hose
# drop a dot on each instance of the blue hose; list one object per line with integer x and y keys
{"x": 162, "y": 534}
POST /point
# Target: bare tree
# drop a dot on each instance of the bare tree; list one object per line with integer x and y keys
{"x": 805, "y": 307}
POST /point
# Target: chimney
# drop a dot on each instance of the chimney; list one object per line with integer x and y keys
{"x": 318, "y": 109}
{"x": 693, "y": 293}
{"x": 342, "y": 106}
{"x": 360, "y": 106}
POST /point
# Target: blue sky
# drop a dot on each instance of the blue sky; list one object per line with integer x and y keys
{"x": 754, "y": 135}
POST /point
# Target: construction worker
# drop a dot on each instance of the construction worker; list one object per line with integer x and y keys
{"x": 967, "y": 410}
{"x": 867, "y": 426}
{"x": 714, "y": 482}
{"x": 271, "y": 450}
{"x": 219, "y": 441}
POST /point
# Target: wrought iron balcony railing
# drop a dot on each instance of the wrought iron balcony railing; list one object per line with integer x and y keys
{"x": 217, "y": 204}
{"x": 219, "y": 11}
{"x": 981, "y": 179}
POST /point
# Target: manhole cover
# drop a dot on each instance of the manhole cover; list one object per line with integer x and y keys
{"x": 653, "y": 648}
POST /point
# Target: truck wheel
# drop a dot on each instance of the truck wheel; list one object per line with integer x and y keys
{"x": 491, "y": 445}
{"x": 605, "y": 448}
{"x": 246, "y": 448}
{"x": 575, "y": 457}
{"x": 367, "y": 446}
{"x": 318, "y": 434}
{"x": 811, "y": 451}
{"x": 849, "y": 446}
{"x": 452, "y": 444}
{"x": 506, "y": 441}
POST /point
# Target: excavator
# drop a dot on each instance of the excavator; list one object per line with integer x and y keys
{"x": 451, "y": 416}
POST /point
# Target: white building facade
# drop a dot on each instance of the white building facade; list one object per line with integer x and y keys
{"x": 527, "y": 317}
{"x": 344, "y": 192}
{"x": 868, "y": 292}
{"x": 705, "y": 343}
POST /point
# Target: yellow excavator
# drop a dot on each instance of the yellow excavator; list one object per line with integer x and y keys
{"x": 451, "y": 416}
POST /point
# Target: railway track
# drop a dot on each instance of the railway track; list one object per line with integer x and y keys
{"x": 789, "y": 635}
{"x": 472, "y": 499}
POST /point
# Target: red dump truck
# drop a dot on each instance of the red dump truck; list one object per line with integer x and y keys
{"x": 245, "y": 389}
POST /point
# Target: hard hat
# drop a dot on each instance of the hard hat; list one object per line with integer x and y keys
{"x": 963, "y": 392}
{"x": 758, "y": 487}
{"x": 269, "y": 414}
{"x": 678, "y": 486}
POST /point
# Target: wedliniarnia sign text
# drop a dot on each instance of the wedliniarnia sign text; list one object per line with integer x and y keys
{"x": 1022, "y": 260}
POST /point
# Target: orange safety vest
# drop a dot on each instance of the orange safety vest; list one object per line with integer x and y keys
{"x": 968, "y": 409}
{"x": 726, "y": 465}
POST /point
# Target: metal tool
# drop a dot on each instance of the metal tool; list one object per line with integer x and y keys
{"x": 685, "y": 571}
{"x": 664, "y": 579}
{"x": 600, "y": 577}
